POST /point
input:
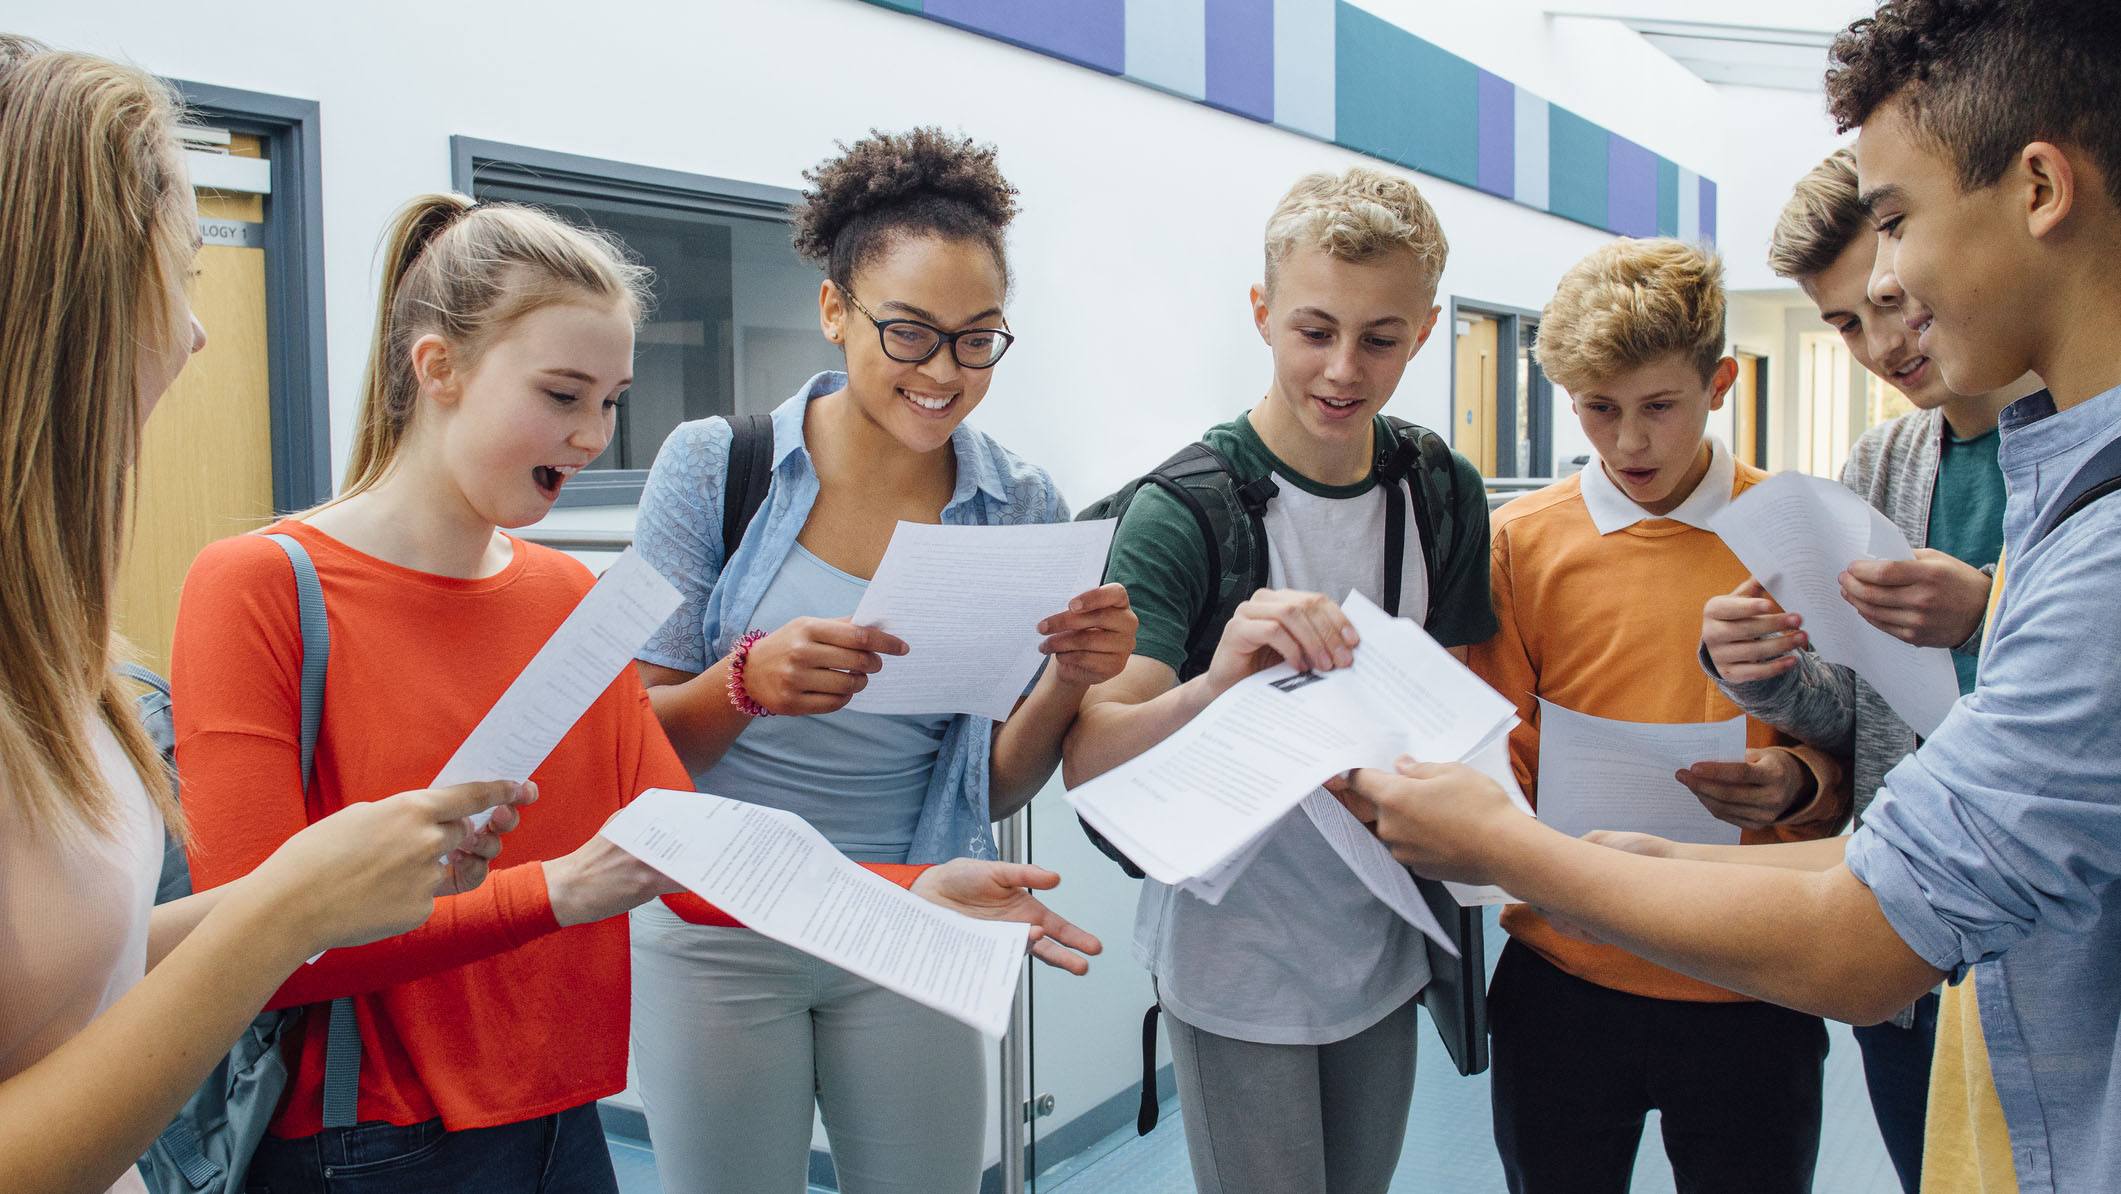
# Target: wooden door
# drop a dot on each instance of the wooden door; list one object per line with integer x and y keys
{"x": 1745, "y": 400}
{"x": 206, "y": 457}
{"x": 1474, "y": 391}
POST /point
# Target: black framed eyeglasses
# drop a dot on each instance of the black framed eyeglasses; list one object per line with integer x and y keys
{"x": 911, "y": 341}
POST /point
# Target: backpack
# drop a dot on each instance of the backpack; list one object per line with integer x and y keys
{"x": 207, "y": 1148}
{"x": 1230, "y": 512}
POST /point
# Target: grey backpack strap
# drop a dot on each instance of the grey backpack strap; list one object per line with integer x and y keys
{"x": 342, "y": 1043}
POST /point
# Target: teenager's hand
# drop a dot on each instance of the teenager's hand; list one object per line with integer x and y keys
{"x": 1442, "y": 819}
{"x": 1306, "y": 629}
{"x": 1092, "y": 639}
{"x": 997, "y": 891}
{"x": 1748, "y": 636}
{"x": 1932, "y": 600}
{"x": 598, "y": 880}
{"x": 1755, "y": 794}
{"x": 465, "y": 867}
{"x": 372, "y": 869}
{"x": 815, "y": 665}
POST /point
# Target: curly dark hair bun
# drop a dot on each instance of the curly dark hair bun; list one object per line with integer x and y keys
{"x": 887, "y": 185}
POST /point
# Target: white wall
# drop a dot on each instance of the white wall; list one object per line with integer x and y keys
{"x": 1140, "y": 234}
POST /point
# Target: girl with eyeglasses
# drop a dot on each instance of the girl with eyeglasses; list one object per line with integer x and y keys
{"x": 736, "y": 1037}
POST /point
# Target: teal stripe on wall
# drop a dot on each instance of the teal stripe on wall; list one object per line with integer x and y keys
{"x": 1667, "y": 197}
{"x": 1402, "y": 99}
{"x": 1576, "y": 167}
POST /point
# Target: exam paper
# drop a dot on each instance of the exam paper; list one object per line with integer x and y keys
{"x": 968, "y": 600}
{"x": 590, "y": 649}
{"x": 1373, "y": 864}
{"x": 1797, "y": 533}
{"x": 1201, "y": 800}
{"x": 1493, "y": 761}
{"x": 1597, "y": 773}
{"x": 769, "y": 869}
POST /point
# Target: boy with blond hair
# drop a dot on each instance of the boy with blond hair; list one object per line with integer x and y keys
{"x": 1291, "y": 1004}
{"x": 1934, "y": 472}
{"x": 1599, "y": 580}
{"x": 1990, "y": 165}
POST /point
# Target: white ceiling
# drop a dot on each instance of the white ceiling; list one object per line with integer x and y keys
{"x": 1745, "y": 44}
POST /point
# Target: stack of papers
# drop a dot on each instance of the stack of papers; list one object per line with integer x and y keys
{"x": 1193, "y": 810}
{"x": 1797, "y": 533}
{"x": 772, "y": 871}
{"x": 1598, "y": 773}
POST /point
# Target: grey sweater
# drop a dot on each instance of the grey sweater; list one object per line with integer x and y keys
{"x": 1825, "y": 705}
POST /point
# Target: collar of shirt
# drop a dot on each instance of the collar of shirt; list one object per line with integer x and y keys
{"x": 977, "y": 470}
{"x": 1612, "y": 510}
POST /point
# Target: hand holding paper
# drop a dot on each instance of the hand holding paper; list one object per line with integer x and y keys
{"x": 772, "y": 871}
{"x": 1797, "y": 533}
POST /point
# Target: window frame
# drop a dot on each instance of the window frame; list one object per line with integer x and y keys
{"x": 649, "y": 189}
{"x": 1511, "y": 406}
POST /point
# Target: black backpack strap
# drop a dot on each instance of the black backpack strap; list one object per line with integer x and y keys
{"x": 749, "y": 474}
{"x": 342, "y": 1041}
{"x": 1234, "y": 533}
{"x": 1145, "y": 1116}
{"x": 1417, "y": 454}
{"x": 2098, "y": 477}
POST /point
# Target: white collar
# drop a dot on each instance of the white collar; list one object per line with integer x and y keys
{"x": 1613, "y": 510}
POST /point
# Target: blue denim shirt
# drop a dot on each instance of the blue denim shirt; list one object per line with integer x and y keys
{"x": 1996, "y": 845}
{"x": 680, "y": 533}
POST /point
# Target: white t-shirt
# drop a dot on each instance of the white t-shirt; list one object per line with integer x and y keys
{"x": 73, "y": 919}
{"x": 1299, "y": 952}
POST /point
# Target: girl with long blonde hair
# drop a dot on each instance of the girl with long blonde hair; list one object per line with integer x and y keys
{"x": 113, "y": 1012}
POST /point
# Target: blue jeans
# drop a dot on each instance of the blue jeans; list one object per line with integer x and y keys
{"x": 1896, "y": 1067}
{"x": 554, "y": 1154}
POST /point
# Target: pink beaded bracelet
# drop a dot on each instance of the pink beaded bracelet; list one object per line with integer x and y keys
{"x": 737, "y": 694}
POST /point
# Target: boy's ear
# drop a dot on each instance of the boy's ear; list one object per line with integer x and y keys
{"x": 831, "y": 312}
{"x": 435, "y": 370}
{"x": 2051, "y": 186}
{"x": 1721, "y": 381}
{"x": 1260, "y": 315}
{"x": 1427, "y": 326}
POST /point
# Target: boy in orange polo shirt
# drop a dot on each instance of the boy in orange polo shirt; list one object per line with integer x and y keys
{"x": 1598, "y": 581}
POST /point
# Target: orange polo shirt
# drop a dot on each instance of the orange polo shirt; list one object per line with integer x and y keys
{"x": 489, "y": 1013}
{"x": 1609, "y": 625}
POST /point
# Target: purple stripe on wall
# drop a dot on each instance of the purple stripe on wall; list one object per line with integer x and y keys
{"x": 1092, "y": 33}
{"x": 1708, "y": 211}
{"x": 1631, "y": 188}
{"x": 1498, "y": 136}
{"x": 1241, "y": 57}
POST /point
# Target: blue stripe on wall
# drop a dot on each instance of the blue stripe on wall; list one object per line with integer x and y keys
{"x": 1240, "y": 37}
{"x": 1088, "y": 33}
{"x": 1330, "y": 70}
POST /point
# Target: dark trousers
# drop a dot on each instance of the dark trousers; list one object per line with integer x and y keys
{"x": 1577, "y": 1066}
{"x": 553, "y": 1154}
{"x": 1896, "y": 1068}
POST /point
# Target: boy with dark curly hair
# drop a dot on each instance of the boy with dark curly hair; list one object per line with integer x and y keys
{"x": 1990, "y": 166}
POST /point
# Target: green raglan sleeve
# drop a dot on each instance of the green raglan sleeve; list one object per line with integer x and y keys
{"x": 1462, "y": 610}
{"x": 1158, "y": 554}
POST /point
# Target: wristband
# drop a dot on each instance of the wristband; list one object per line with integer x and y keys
{"x": 737, "y": 694}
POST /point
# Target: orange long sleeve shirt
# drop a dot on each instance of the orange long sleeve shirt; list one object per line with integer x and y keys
{"x": 489, "y": 1013}
{"x": 1609, "y": 625}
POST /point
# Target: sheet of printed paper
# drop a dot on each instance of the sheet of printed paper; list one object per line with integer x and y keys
{"x": 1185, "y": 807}
{"x": 1374, "y": 865}
{"x": 1797, "y": 533}
{"x": 1213, "y": 886}
{"x": 780, "y": 877}
{"x": 590, "y": 649}
{"x": 1597, "y": 773}
{"x": 967, "y": 600}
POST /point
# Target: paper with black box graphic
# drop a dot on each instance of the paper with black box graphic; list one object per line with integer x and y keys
{"x": 769, "y": 869}
{"x": 1186, "y": 807}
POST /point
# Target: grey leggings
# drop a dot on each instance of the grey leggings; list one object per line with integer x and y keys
{"x": 1295, "y": 1119}
{"x": 735, "y": 1036}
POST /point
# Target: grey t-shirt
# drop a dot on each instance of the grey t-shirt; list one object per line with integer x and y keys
{"x": 1298, "y": 952}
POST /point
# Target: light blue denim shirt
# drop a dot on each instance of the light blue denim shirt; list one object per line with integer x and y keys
{"x": 680, "y": 533}
{"x": 1996, "y": 845}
